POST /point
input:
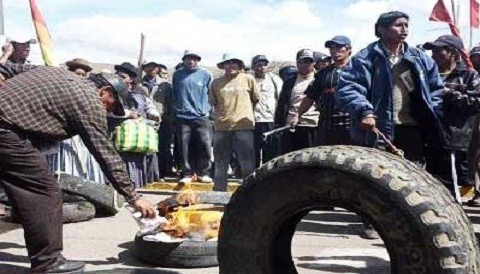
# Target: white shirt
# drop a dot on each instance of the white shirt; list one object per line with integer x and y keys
{"x": 270, "y": 88}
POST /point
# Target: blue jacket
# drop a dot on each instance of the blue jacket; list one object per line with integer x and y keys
{"x": 366, "y": 86}
{"x": 190, "y": 93}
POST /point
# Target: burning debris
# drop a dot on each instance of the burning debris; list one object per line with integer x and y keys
{"x": 182, "y": 217}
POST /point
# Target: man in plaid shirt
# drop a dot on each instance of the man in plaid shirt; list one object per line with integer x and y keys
{"x": 52, "y": 104}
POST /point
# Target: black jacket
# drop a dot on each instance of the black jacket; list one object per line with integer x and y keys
{"x": 461, "y": 104}
{"x": 283, "y": 105}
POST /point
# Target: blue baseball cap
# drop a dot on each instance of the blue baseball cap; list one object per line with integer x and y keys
{"x": 341, "y": 40}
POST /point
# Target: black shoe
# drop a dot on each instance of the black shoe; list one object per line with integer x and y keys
{"x": 63, "y": 266}
{"x": 369, "y": 233}
{"x": 475, "y": 201}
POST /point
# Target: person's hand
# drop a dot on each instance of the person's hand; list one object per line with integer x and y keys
{"x": 145, "y": 207}
{"x": 133, "y": 114}
{"x": 8, "y": 49}
{"x": 451, "y": 87}
{"x": 294, "y": 121}
{"x": 368, "y": 123}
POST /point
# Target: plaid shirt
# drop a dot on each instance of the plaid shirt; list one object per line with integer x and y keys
{"x": 48, "y": 103}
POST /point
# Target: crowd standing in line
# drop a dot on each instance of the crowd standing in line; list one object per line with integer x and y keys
{"x": 426, "y": 106}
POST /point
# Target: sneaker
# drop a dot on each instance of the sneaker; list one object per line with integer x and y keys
{"x": 186, "y": 180}
{"x": 369, "y": 233}
{"x": 206, "y": 179}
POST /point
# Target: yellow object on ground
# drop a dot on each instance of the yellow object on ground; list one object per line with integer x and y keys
{"x": 467, "y": 191}
{"x": 176, "y": 186}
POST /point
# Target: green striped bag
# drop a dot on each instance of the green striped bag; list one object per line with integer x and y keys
{"x": 135, "y": 135}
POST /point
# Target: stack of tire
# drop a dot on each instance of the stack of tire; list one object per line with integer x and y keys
{"x": 83, "y": 200}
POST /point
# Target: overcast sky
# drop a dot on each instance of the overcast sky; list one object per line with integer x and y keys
{"x": 109, "y": 31}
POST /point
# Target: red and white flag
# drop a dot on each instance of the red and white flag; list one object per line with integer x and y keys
{"x": 474, "y": 14}
{"x": 440, "y": 13}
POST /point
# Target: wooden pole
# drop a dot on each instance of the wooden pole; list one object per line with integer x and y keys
{"x": 142, "y": 47}
{"x": 454, "y": 14}
{"x": 2, "y": 19}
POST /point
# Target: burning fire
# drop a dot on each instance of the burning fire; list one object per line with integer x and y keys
{"x": 187, "y": 218}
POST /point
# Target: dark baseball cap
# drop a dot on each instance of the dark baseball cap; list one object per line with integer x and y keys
{"x": 475, "y": 50}
{"x": 319, "y": 56}
{"x": 305, "y": 53}
{"x": 445, "y": 41}
{"x": 341, "y": 40}
{"x": 258, "y": 58}
{"x": 119, "y": 89}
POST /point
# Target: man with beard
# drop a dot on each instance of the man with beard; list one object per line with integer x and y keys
{"x": 396, "y": 89}
{"x": 334, "y": 124}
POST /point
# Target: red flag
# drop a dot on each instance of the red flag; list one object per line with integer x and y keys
{"x": 42, "y": 34}
{"x": 474, "y": 14}
{"x": 440, "y": 13}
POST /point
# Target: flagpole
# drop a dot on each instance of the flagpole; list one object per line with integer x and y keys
{"x": 453, "y": 12}
{"x": 2, "y": 19}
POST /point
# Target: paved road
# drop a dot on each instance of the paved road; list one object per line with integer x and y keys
{"x": 325, "y": 242}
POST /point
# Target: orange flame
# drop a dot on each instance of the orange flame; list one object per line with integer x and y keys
{"x": 197, "y": 222}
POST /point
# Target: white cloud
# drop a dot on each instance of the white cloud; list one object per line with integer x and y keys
{"x": 212, "y": 27}
{"x": 271, "y": 29}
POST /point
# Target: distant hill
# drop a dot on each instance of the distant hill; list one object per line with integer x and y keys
{"x": 274, "y": 67}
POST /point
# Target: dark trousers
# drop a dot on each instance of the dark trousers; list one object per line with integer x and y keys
{"x": 410, "y": 139}
{"x": 225, "y": 143}
{"x": 334, "y": 137}
{"x": 35, "y": 195}
{"x": 165, "y": 156}
{"x": 195, "y": 134}
{"x": 264, "y": 150}
{"x": 302, "y": 137}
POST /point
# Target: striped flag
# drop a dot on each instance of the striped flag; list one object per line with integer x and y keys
{"x": 474, "y": 14}
{"x": 43, "y": 36}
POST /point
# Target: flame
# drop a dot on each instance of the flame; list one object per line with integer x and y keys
{"x": 187, "y": 197}
{"x": 197, "y": 222}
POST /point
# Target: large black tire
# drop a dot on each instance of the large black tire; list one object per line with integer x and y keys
{"x": 423, "y": 229}
{"x": 188, "y": 254}
{"x": 106, "y": 200}
{"x": 73, "y": 212}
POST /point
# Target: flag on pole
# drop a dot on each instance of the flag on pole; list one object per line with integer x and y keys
{"x": 2, "y": 19}
{"x": 46, "y": 45}
{"x": 440, "y": 13}
{"x": 474, "y": 14}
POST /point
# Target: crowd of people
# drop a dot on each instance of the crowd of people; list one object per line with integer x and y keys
{"x": 428, "y": 107}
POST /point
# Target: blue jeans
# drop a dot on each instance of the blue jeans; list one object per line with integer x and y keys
{"x": 196, "y": 134}
{"x": 224, "y": 144}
